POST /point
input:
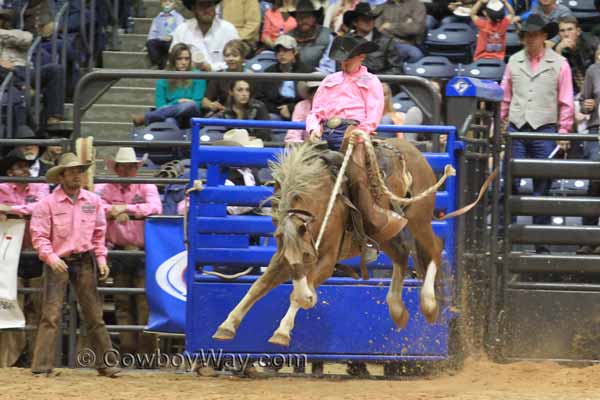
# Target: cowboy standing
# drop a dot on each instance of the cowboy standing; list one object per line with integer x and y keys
{"x": 68, "y": 230}
{"x": 347, "y": 100}
{"x": 538, "y": 97}
{"x": 122, "y": 201}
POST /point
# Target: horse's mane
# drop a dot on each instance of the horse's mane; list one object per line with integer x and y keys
{"x": 299, "y": 172}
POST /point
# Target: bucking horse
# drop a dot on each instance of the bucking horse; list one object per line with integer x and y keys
{"x": 304, "y": 180}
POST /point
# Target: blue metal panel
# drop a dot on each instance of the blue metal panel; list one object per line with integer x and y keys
{"x": 328, "y": 329}
{"x": 236, "y": 195}
{"x": 462, "y": 86}
{"x": 235, "y": 241}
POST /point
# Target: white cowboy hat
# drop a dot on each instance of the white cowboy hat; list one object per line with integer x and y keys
{"x": 125, "y": 155}
{"x": 462, "y": 11}
{"x": 239, "y": 137}
{"x": 67, "y": 160}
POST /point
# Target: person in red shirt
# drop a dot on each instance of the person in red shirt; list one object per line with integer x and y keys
{"x": 491, "y": 41}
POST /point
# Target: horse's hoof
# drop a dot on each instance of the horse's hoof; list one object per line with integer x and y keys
{"x": 224, "y": 334}
{"x": 280, "y": 339}
{"x": 431, "y": 315}
{"x": 402, "y": 320}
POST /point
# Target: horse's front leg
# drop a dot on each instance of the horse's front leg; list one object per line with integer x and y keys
{"x": 273, "y": 276}
{"x": 282, "y": 335}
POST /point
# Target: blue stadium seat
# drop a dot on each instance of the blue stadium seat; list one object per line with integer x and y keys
{"x": 584, "y": 11}
{"x": 484, "y": 68}
{"x": 432, "y": 67}
{"x": 160, "y": 131}
{"x": 454, "y": 41}
{"x": 402, "y": 102}
{"x": 212, "y": 133}
{"x": 261, "y": 61}
{"x": 513, "y": 42}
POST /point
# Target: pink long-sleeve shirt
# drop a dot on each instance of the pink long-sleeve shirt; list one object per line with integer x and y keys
{"x": 61, "y": 227}
{"x": 357, "y": 96}
{"x": 22, "y": 199}
{"x": 142, "y": 200}
{"x": 301, "y": 111}
{"x": 566, "y": 107}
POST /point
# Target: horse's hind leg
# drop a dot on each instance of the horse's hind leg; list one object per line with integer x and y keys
{"x": 429, "y": 252}
{"x": 273, "y": 276}
{"x": 398, "y": 252}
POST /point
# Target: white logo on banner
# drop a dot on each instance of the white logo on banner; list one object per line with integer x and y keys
{"x": 11, "y": 239}
{"x": 461, "y": 86}
{"x": 170, "y": 276}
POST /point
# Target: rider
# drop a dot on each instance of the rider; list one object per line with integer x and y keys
{"x": 348, "y": 100}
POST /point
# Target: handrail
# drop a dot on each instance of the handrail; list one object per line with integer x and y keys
{"x": 4, "y": 87}
{"x": 22, "y": 16}
{"x": 36, "y": 67}
{"x": 57, "y": 21}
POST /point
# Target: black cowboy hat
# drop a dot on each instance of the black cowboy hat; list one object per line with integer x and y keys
{"x": 11, "y": 158}
{"x": 306, "y": 6}
{"x": 345, "y": 47}
{"x": 189, "y": 4}
{"x": 361, "y": 10}
{"x": 536, "y": 23}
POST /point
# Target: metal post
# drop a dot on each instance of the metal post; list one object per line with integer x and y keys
{"x": 92, "y": 60}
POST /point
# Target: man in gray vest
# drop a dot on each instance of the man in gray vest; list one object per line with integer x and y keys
{"x": 538, "y": 97}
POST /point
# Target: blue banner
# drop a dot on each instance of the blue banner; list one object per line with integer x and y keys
{"x": 166, "y": 262}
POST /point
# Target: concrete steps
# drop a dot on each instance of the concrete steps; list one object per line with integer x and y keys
{"x": 141, "y": 26}
{"x": 128, "y": 96}
{"x": 133, "y": 42}
{"x": 108, "y": 112}
{"x": 126, "y": 60}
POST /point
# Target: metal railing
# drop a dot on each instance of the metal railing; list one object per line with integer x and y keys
{"x": 36, "y": 68}
{"x": 6, "y": 92}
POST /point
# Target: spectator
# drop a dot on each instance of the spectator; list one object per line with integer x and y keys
{"x": 19, "y": 199}
{"x": 334, "y": 15}
{"x": 301, "y": 111}
{"x": 413, "y": 116}
{"x": 32, "y": 151}
{"x": 461, "y": 10}
{"x": 241, "y": 105}
{"x": 313, "y": 39}
{"x": 234, "y": 52}
{"x": 389, "y": 58}
{"x": 595, "y": 31}
{"x": 549, "y": 9}
{"x": 590, "y": 99}
{"x": 38, "y": 17}
{"x": 538, "y": 97}
{"x": 577, "y": 47}
{"x": 205, "y": 34}
{"x": 159, "y": 37}
{"x": 175, "y": 98}
{"x": 70, "y": 258}
{"x": 280, "y": 97}
{"x": 278, "y": 20}
{"x": 121, "y": 203}
{"x": 50, "y": 157}
{"x": 245, "y": 16}
{"x": 491, "y": 40}
{"x": 404, "y": 20}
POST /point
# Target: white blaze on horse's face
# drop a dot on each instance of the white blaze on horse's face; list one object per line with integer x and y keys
{"x": 304, "y": 295}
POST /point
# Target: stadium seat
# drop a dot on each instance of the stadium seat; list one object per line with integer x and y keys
{"x": 584, "y": 11}
{"x": 432, "y": 67}
{"x": 160, "y": 131}
{"x": 212, "y": 133}
{"x": 402, "y": 102}
{"x": 484, "y": 68}
{"x": 513, "y": 42}
{"x": 261, "y": 61}
{"x": 454, "y": 41}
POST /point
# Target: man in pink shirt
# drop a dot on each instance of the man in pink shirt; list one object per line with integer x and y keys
{"x": 121, "y": 203}
{"x": 68, "y": 230}
{"x": 347, "y": 100}
{"x": 538, "y": 97}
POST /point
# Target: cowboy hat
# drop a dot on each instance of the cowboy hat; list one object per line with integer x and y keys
{"x": 239, "y": 137}
{"x": 125, "y": 155}
{"x": 348, "y": 46}
{"x": 306, "y": 6}
{"x": 189, "y": 4}
{"x": 67, "y": 160}
{"x": 11, "y": 159}
{"x": 361, "y": 10}
{"x": 536, "y": 23}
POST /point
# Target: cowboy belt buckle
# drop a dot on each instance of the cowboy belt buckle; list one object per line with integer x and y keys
{"x": 333, "y": 123}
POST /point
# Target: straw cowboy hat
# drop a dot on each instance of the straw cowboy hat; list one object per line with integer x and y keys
{"x": 239, "y": 137}
{"x": 11, "y": 159}
{"x": 189, "y": 4}
{"x": 67, "y": 160}
{"x": 125, "y": 155}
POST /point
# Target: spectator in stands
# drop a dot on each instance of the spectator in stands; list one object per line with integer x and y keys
{"x": 389, "y": 58}
{"x": 176, "y": 98}
{"x": 206, "y": 34}
{"x": 549, "y": 9}
{"x": 307, "y": 91}
{"x": 461, "y": 10}
{"x": 245, "y": 16}
{"x": 14, "y": 44}
{"x": 159, "y": 37}
{"x": 404, "y": 20}
{"x": 217, "y": 91}
{"x": 313, "y": 39}
{"x": 19, "y": 199}
{"x": 277, "y": 21}
{"x": 334, "y": 15}
{"x": 590, "y": 99}
{"x": 122, "y": 202}
{"x": 491, "y": 40}
{"x": 79, "y": 259}
{"x": 38, "y": 17}
{"x": 50, "y": 157}
{"x": 32, "y": 151}
{"x": 538, "y": 97}
{"x": 280, "y": 97}
{"x": 241, "y": 105}
{"x": 596, "y": 28}
{"x": 577, "y": 47}
{"x": 413, "y": 116}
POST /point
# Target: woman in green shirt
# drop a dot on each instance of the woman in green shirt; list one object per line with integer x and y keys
{"x": 176, "y": 98}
